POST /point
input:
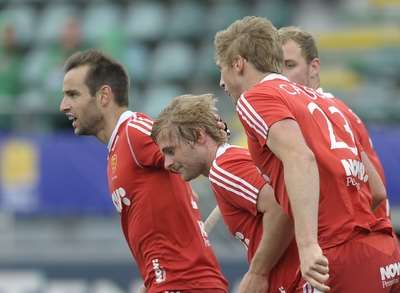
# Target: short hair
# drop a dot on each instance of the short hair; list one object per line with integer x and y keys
{"x": 185, "y": 115}
{"x": 103, "y": 70}
{"x": 304, "y": 39}
{"x": 255, "y": 39}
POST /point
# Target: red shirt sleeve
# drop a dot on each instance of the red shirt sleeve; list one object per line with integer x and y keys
{"x": 237, "y": 181}
{"x": 258, "y": 111}
{"x": 143, "y": 149}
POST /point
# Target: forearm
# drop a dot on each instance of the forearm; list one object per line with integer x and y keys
{"x": 302, "y": 184}
{"x": 377, "y": 188}
{"x": 212, "y": 219}
{"x": 277, "y": 235}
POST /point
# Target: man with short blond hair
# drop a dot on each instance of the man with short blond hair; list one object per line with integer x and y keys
{"x": 193, "y": 145}
{"x": 302, "y": 65}
{"x": 307, "y": 155}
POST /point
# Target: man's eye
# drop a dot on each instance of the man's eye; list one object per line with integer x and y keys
{"x": 290, "y": 65}
{"x": 169, "y": 152}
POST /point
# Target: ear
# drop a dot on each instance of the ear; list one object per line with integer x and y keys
{"x": 315, "y": 67}
{"x": 238, "y": 63}
{"x": 201, "y": 136}
{"x": 104, "y": 95}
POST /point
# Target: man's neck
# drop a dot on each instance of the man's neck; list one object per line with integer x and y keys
{"x": 315, "y": 83}
{"x": 110, "y": 122}
{"x": 212, "y": 148}
{"x": 256, "y": 77}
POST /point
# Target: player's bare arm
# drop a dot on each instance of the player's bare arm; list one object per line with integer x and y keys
{"x": 375, "y": 182}
{"x": 286, "y": 141}
{"x": 277, "y": 235}
{"x": 212, "y": 219}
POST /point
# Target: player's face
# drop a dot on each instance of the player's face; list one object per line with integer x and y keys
{"x": 295, "y": 66}
{"x": 78, "y": 105}
{"x": 181, "y": 157}
{"x": 229, "y": 81}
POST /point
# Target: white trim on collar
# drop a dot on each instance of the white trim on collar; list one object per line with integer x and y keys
{"x": 221, "y": 149}
{"x": 124, "y": 116}
{"x": 326, "y": 94}
{"x": 272, "y": 76}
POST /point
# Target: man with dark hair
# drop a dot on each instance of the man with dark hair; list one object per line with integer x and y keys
{"x": 159, "y": 217}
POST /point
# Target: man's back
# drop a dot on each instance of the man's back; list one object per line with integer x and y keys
{"x": 159, "y": 216}
{"x": 341, "y": 171}
{"x": 236, "y": 183}
{"x": 360, "y": 130}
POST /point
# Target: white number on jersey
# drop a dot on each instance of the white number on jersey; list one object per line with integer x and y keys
{"x": 335, "y": 143}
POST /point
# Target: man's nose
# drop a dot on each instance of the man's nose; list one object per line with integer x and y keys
{"x": 168, "y": 162}
{"x": 64, "y": 106}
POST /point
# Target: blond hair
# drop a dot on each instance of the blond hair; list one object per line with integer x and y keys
{"x": 253, "y": 38}
{"x": 185, "y": 115}
{"x": 304, "y": 39}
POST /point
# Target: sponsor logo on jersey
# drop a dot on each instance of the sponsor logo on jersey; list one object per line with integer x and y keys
{"x": 390, "y": 274}
{"x": 119, "y": 199}
{"x": 203, "y": 233}
{"x": 355, "y": 172}
{"x": 113, "y": 163}
{"x": 159, "y": 271}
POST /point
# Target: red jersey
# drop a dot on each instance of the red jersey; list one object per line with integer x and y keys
{"x": 159, "y": 217}
{"x": 236, "y": 183}
{"x": 364, "y": 139}
{"x": 342, "y": 208}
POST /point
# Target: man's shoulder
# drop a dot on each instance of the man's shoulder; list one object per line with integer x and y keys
{"x": 139, "y": 123}
{"x": 232, "y": 158}
{"x": 266, "y": 88}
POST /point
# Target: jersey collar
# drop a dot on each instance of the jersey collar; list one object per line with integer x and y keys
{"x": 124, "y": 116}
{"x": 326, "y": 94}
{"x": 221, "y": 149}
{"x": 272, "y": 76}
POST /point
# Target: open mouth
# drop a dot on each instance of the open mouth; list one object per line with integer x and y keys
{"x": 72, "y": 118}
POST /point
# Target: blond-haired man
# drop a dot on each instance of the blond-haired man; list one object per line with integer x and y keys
{"x": 302, "y": 65}
{"x": 308, "y": 157}
{"x": 193, "y": 145}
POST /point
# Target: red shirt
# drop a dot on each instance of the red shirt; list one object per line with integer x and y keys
{"x": 342, "y": 208}
{"x": 236, "y": 183}
{"x": 159, "y": 217}
{"x": 364, "y": 139}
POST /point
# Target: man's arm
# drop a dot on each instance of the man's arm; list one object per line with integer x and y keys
{"x": 375, "y": 182}
{"x": 212, "y": 219}
{"x": 277, "y": 235}
{"x": 301, "y": 175}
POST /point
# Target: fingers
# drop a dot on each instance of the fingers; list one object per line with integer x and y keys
{"x": 320, "y": 278}
{"x": 222, "y": 125}
{"x": 317, "y": 276}
{"x": 322, "y": 260}
{"x": 266, "y": 178}
{"x": 322, "y": 269}
{"x": 319, "y": 286}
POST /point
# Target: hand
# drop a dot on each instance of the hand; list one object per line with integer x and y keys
{"x": 266, "y": 178}
{"x": 314, "y": 267}
{"x": 142, "y": 289}
{"x": 253, "y": 283}
{"x": 222, "y": 126}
